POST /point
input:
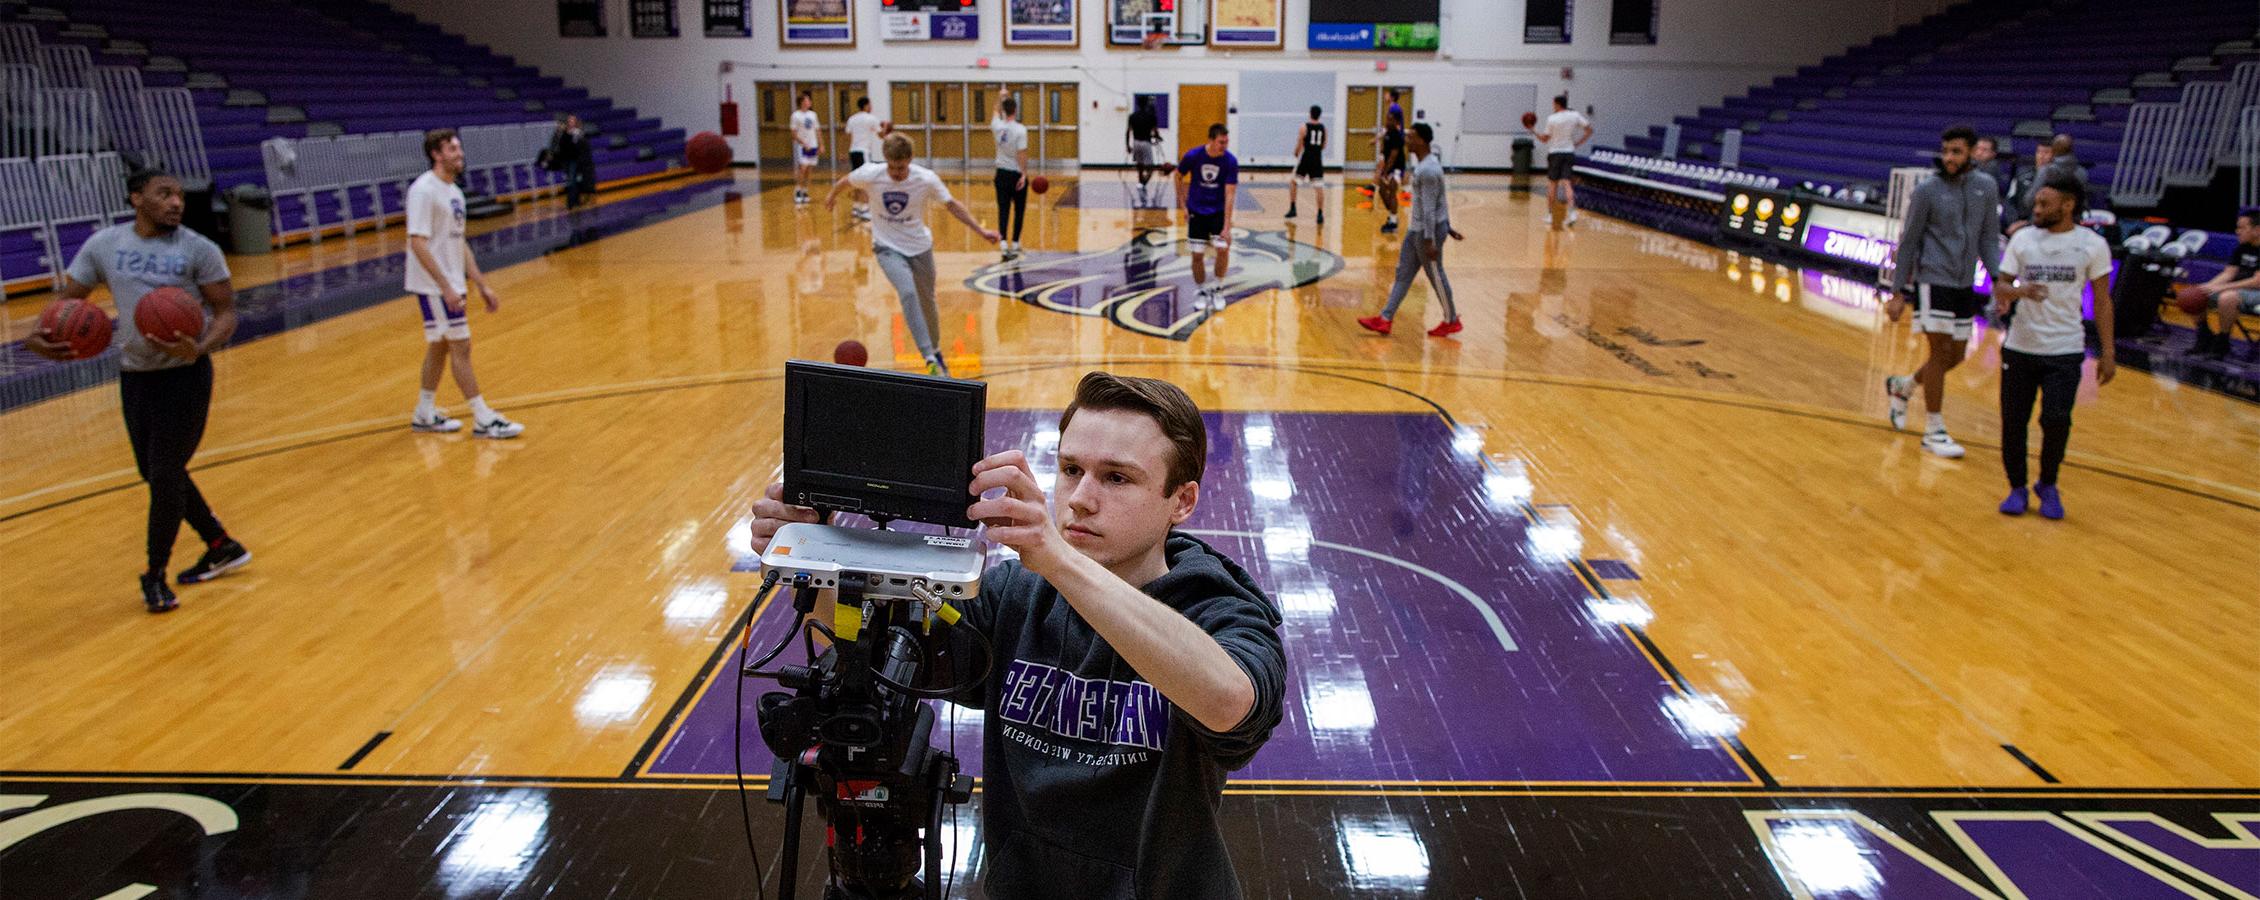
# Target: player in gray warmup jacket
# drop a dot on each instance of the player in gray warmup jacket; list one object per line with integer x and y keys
{"x": 1952, "y": 227}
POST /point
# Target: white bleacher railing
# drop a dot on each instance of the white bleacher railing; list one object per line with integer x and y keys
{"x": 497, "y": 158}
{"x": 67, "y": 65}
{"x": 119, "y": 90}
{"x": 23, "y": 207}
{"x": 174, "y": 137}
{"x": 71, "y": 121}
{"x": 1699, "y": 172}
{"x": 21, "y": 85}
{"x": 56, "y": 192}
{"x": 2180, "y": 144}
{"x": 2248, "y": 158}
{"x": 19, "y": 44}
{"x": 2153, "y": 130}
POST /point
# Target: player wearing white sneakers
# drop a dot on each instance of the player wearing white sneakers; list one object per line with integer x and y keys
{"x": 863, "y": 149}
{"x": 806, "y": 146}
{"x": 1208, "y": 183}
{"x": 438, "y": 261}
{"x": 1952, "y": 227}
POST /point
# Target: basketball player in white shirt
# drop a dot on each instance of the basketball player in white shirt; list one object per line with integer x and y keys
{"x": 806, "y": 145}
{"x": 438, "y": 261}
{"x": 863, "y": 149}
{"x": 1566, "y": 130}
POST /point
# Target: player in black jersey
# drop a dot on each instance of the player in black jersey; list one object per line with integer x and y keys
{"x": 1310, "y": 165}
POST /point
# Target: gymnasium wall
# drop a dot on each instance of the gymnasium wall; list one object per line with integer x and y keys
{"x": 1706, "y": 50}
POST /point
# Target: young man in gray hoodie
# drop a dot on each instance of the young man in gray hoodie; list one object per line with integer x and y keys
{"x": 1134, "y": 666}
{"x": 1952, "y": 226}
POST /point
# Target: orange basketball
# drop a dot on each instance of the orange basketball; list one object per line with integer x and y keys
{"x": 1529, "y": 120}
{"x": 851, "y": 353}
{"x": 886, "y": 126}
{"x": 78, "y": 323}
{"x": 1168, "y": 167}
{"x": 1039, "y": 184}
{"x": 2192, "y": 299}
{"x": 707, "y": 153}
{"x": 167, "y": 311}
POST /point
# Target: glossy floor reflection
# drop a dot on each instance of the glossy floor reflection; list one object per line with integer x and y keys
{"x": 1625, "y": 591}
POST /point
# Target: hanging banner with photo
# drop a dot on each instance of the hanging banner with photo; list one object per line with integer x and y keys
{"x": 580, "y": 18}
{"x": 817, "y": 23}
{"x": 1041, "y": 23}
{"x": 728, "y": 18}
{"x": 1547, "y": 21}
{"x": 929, "y": 20}
{"x": 652, "y": 19}
{"x": 1254, "y": 24}
{"x": 1633, "y": 21}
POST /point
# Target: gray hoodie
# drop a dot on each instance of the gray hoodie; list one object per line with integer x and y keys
{"x": 1952, "y": 225}
{"x": 1094, "y": 786}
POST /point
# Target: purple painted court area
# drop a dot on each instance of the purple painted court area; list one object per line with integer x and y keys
{"x": 1432, "y": 633}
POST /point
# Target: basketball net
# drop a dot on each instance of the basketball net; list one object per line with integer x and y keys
{"x": 1155, "y": 38}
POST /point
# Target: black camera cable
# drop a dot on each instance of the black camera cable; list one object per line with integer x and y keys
{"x": 737, "y": 731}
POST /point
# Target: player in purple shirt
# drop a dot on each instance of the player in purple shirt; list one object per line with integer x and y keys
{"x": 1208, "y": 182}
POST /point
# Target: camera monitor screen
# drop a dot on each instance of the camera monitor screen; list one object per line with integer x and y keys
{"x": 888, "y": 445}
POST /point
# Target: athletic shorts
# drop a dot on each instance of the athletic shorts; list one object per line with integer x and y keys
{"x": 2247, "y": 301}
{"x": 855, "y": 160}
{"x": 439, "y": 324}
{"x": 1946, "y": 310}
{"x": 1205, "y": 229}
{"x": 1309, "y": 170}
{"x": 1558, "y": 165}
{"x": 1142, "y": 152}
{"x": 807, "y": 156}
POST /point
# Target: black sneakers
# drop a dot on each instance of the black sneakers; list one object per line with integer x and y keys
{"x": 219, "y": 560}
{"x": 155, "y": 595}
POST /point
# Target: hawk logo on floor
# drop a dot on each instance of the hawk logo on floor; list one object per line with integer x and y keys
{"x": 1146, "y": 285}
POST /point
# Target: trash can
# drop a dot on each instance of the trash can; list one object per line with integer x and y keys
{"x": 1524, "y": 151}
{"x": 250, "y": 227}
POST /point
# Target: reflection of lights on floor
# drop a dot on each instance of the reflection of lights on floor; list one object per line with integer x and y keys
{"x": 1551, "y": 542}
{"x": 614, "y": 695}
{"x": 696, "y": 603}
{"x": 1467, "y": 442}
{"x": 1259, "y": 437}
{"x": 1312, "y": 602}
{"x": 1827, "y": 858}
{"x": 1613, "y": 611}
{"x": 1508, "y": 486}
{"x": 1282, "y": 544}
{"x": 1702, "y": 715}
{"x": 497, "y": 843}
{"x": 1383, "y": 853}
{"x": 1278, "y": 490}
{"x": 1339, "y": 703}
{"x": 740, "y": 538}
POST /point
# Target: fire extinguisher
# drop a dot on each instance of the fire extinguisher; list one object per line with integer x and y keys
{"x": 729, "y": 113}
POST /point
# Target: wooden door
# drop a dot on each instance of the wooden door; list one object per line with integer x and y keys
{"x": 1361, "y": 121}
{"x": 773, "y": 112}
{"x": 948, "y": 128}
{"x": 1198, "y": 107}
{"x": 844, "y": 94}
{"x": 1062, "y": 142}
{"x": 981, "y": 145}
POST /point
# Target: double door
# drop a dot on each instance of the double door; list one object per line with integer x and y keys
{"x": 950, "y": 121}
{"x": 1367, "y": 116}
{"x": 834, "y": 102}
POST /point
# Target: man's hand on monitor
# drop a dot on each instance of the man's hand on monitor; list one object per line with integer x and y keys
{"x": 771, "y": 512}
{"x": 1019, "y": 519}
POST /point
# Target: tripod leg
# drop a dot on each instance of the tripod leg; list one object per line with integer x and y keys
{"x": 788, "y": 871}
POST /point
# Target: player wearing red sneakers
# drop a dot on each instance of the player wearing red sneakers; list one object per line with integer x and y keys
{"x": 1423, "y": 248}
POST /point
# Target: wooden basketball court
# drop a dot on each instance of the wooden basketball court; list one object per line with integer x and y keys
{"x": 1689, "y": 446}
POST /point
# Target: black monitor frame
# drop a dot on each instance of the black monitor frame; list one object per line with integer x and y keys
{"x": 865, "y": 493}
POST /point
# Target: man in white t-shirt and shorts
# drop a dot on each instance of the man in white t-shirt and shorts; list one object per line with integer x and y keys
{"x": 1012, "y": 172}
{"x": 900, "y": 239}
{"x": 807, "y": 146}
{"x": 863, "y": 149}
{"x": 2046, "y": 346}
{"x": 1566, "y": 130}
{"x": 439, "y": 258}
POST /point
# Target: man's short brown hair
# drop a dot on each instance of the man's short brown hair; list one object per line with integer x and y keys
{"x": 435, "y": 139}
{"x": 1169, "y": 407}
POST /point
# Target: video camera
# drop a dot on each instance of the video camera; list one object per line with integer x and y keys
{"x": 851, "y": 728}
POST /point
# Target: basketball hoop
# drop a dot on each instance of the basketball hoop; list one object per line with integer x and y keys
{"x": 1154, "y": 39}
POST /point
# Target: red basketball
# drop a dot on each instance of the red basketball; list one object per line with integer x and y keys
{"x": 78, "y": 323}
{"x": 886, "y": 126}
{"x": 1039, "y": 184}
{"x": 850, "y": 353}
{"x": 166, "y": 311}
{"x": 707, "y": 153}
{"x": 1529, "y": 119}
{"x": 1167, "y": 168}
{"x": 2192, "y": 299}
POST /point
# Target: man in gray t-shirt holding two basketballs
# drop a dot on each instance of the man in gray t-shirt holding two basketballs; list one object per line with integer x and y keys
{"x": 164, "y": 382}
